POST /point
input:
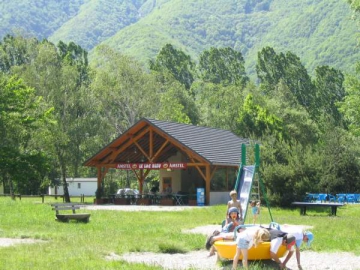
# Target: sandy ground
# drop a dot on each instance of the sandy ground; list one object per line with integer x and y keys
{"x": 199, "y": 260}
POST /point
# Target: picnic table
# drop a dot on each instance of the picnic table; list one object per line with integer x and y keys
{"x": 304, "y": 205}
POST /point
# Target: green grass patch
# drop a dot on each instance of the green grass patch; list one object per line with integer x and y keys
{"x": 84, "y": 245}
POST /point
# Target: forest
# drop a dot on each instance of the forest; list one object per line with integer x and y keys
{"x": 58, "y": 109}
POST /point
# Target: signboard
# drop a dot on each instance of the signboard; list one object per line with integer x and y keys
{"x": 152, "y": 166}
{"x": 200, "y": 196}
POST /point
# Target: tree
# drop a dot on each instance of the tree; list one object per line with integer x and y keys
{"x": 22, "y": 117}
{"x": 256, "y": 121}
{"x": 339, "y": 161}
{"x": 271, "y": 68}
{"x": 329, "y": 91}
{"x": 15, "y": 51}
{"x": 224, "y": 65}
{"x": 289, "y": 170}
{"x": 61, "y": 78}
{"x": 355, "y": 5}
{"x": 351, "y": 103}
{"x": 175, "y": 62}
{"x": 176, "y": 103}
{"x": 126, "y": 92}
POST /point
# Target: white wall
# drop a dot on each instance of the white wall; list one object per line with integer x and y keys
{"x": 219, "y": 197}
{"x": 77, "y": 186}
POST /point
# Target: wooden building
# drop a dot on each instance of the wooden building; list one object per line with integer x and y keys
{"x": 187, "y": 157}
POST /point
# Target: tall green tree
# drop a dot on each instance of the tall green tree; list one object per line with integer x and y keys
{"x": 273, "y": 68}
{"x": 125, "y": 91}
{"x": 329, "y": 91}
{"x": 351, "y": 103}
{"x": 60, "y": 77}
{"x": 175, "y": 62}
{"x": 22, "y": 116}
{"x": 223, "y": 65}
{"x": 176, "y": 103}
{"x": 16, "y": 51}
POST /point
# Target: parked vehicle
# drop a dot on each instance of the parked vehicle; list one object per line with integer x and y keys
{"x": 127, "y": 193}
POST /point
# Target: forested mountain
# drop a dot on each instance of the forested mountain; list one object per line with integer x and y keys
{"x": 320, "y": 32}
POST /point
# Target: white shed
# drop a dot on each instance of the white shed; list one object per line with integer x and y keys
{"x": 77, "y": 187}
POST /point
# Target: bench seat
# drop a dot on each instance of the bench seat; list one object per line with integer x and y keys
{"x": 84, "y": 217}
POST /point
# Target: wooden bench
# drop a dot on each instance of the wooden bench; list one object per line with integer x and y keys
{"x": 304, "y": 205}
{"x": 84, "y": 217}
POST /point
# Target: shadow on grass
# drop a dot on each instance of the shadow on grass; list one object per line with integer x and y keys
{"x": 170, "y": 249}
{"x": 253, "y": 265}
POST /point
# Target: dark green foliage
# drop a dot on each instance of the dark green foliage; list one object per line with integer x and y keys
{"x": 257, "y": 5}
{"x": 273, "y": 68}
{"x": 175, "y": 62}
{"x": 329, "y": 91}
{"x": 23, "y": 166}
{"x": 15, "y": 52}
{"x": 224, "y": 65}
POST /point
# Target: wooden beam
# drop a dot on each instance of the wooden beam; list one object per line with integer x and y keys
{"x": 113, "y": 155}
{"x": 207, "y": 184}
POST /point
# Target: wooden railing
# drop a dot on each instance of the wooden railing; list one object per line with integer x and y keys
{"x": 43, "y": 196}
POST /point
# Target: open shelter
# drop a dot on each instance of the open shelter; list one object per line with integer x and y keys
{"x": 187, "y": 157}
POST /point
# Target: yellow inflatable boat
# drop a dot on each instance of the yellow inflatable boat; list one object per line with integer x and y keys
{"x": 226, "y": 251}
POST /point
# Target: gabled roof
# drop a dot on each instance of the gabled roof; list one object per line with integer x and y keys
{"x": 216, "y": 146}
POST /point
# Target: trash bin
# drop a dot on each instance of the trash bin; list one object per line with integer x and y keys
{"x": 200, "y": 196}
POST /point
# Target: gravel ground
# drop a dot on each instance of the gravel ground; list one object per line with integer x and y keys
{"x": 199, "y": 260}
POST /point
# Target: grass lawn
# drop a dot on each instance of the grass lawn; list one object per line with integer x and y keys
{"x": 85, "y": 245}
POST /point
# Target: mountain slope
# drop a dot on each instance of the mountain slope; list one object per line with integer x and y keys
{"x": 38, "y": 18}
{"x": 97, "y": 21}
{"x": 320, "y": 32}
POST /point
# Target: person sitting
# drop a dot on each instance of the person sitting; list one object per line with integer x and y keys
{"x": 154, "y": 189}
{"x": 168, "y": 189}
{"x": 232, "y": 221}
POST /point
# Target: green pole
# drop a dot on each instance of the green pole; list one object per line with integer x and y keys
{"x": 257, "y": 165}
{"x": 243, "y": 154}
{"x": 257, "y": 155}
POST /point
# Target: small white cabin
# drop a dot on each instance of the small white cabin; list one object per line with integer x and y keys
{"x": 77, "y": 187}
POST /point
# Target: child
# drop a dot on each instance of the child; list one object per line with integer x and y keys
{"x": 232, "y": 221}
{"x": 301, "y": 236}
{"x": 245, "y": 240}
{"x": 234, "y": 202}
{"x": 255, "y": 209}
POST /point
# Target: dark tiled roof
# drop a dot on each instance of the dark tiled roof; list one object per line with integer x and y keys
{"x": 220, "y": 147}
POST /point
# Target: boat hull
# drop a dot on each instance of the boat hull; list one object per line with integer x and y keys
{"x": 227, "y": 250}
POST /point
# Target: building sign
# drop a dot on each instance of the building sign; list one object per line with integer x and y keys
{"x": 151, "y": 166}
